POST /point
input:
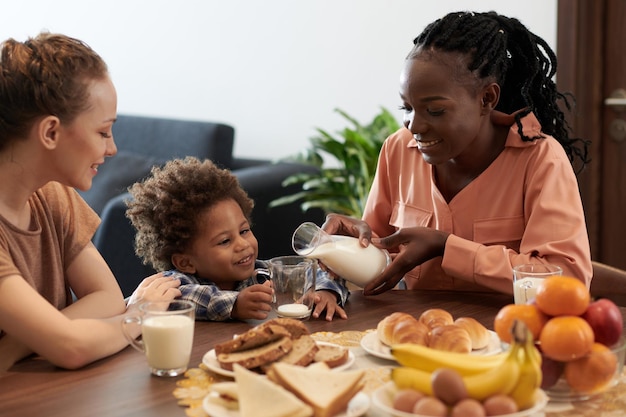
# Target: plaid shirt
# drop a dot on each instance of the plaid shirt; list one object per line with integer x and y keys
{"x": 215, "y": 304}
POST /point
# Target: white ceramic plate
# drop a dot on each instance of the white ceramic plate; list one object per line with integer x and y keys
{"x": 210, "y": 361}
{"x": 382, "y": 399}
{"x": 357, "y": 406}
{"x": 372, "y": 345}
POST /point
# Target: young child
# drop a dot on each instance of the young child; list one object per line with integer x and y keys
{"x": 193, "y": 221}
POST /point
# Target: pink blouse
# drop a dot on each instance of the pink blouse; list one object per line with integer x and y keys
{"x": 524, "y": 208}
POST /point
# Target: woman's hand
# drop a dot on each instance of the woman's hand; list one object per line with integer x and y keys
{"x": 253, "y": 302}
{"x": 156, "y": 288}
{"x": 339, "y": 224}
{"x": 327, "y": 300}
{"x": 414, "y": 246}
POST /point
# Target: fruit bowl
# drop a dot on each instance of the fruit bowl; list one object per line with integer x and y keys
{"x": 583, "y": 378}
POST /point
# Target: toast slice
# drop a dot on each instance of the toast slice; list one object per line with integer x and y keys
{"x": 302, "y": 352}
{"x": 326, "y": 391}
{"x": 256, "y": 357}
{"x": 332, "y": 355}
{"x": 225, "y": 394}
{"x": 295, "y": 327}
{"x": 260, "y": 397}
{"x": 253, "y": 338}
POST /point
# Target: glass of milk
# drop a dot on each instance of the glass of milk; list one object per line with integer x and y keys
{"x": 343, "y": 255}
{"x": 167, "y": 335}
{"x": 293, "y": 281}
{"x": 527, "y": 277}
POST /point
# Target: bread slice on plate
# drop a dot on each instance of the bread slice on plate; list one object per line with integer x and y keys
{"x": 326, "y": 391}
{"x": 253, "y": 358}
{"x": 295, "y": 327}
{"x": 331, "y": 355}
{"x": 302, "y": 352}
{"x": 260, "y": 397}
{"x": 225, "y": 394}
{"x": 253, "y": 338}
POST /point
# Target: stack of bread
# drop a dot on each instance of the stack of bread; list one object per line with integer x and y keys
{"x": 435, "y": 328}
{"x": 288, "y": 391}
{"x": 277, "y": 340}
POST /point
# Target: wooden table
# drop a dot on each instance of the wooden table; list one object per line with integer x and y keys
{"x": 122, "y": 385}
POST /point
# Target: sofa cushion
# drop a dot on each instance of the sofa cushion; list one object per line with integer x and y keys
{"x": 116, "y": 175}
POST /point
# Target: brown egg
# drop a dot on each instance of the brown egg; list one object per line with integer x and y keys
{"x": 448, "y": 386}
{"x": 405, "y": 400}
{"x": 430, "y": 406}
{"x": 499, "y": 404}
{"x": 468, "y": 407}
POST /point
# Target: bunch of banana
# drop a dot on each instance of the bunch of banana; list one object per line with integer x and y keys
{"x": 516, "y": 372}
{"x": 530, "y": 367}
{"x": 429, "y": 359}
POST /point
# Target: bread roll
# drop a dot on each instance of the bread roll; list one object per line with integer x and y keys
{"x": 450, "y": 337}
{"x": 436, "y": 317}
{"x": 478, "y": 333}
{"x": 386, "y": 327}
{"x": 410, "y": 331}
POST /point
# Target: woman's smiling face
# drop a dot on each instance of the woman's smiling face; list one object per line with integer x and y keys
{"x": 439, "y": 107}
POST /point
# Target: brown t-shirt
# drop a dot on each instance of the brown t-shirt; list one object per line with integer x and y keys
{"x": 62, "y": 225}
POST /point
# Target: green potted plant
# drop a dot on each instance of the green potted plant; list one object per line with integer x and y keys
{"x": 346, "y": 162}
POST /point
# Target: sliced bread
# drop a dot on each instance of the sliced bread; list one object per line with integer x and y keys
{"x": 259, "y": 397}
{"x": 326, "y": 391}
{"x": 332, "y": 355}
{"x": 259, "y": 356}
{"x": 302, "y": 352}
{"x": 253, "y": 338}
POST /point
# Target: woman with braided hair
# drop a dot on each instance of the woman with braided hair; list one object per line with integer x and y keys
{"x": 482, "y": 175}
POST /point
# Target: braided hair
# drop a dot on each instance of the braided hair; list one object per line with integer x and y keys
{"x": 503, "y": 50}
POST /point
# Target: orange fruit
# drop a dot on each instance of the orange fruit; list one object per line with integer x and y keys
{"x": 566, "y": 338}
{"x": 562, "y": 296}
{"x": 532, "y": 317}
{"x": 592, "y": 372}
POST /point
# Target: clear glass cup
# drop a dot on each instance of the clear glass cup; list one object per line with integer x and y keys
{"x": 293, "y": 280}
{"x": 527, "y": 277}
{"x": 343, "y": 255}
{"x": 167, "y": 335}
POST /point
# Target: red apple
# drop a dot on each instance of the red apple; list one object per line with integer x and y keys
{"x": 551, "y": 371}
{"x": 605, "y": 318}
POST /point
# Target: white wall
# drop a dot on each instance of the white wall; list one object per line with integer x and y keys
{"x": 274, "y": 69}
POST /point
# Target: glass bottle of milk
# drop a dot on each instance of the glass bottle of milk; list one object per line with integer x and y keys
{"x": 343, "y": 255}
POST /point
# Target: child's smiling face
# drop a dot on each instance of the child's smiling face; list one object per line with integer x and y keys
{"x": 225, "y": 248}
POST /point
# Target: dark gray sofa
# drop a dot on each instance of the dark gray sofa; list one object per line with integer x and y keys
{"x": 146, "y": 141}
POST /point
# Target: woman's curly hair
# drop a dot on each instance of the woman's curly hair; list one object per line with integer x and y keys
{"x": 166, "y": 206}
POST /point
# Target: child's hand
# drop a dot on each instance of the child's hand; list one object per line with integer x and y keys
{"x": 327, "y": 300}
{"x": 253, "y": 302}
{"x": 156, "y": 288}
